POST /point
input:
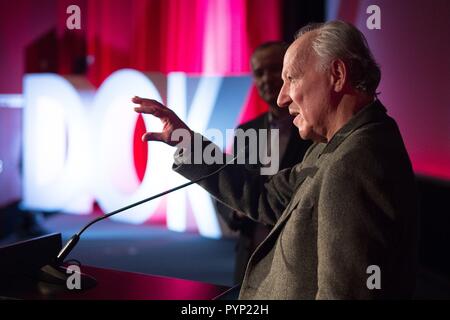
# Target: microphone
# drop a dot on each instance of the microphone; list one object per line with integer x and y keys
{"x": 56, "y": 273}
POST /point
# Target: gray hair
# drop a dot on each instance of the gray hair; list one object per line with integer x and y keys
{"x": 341, "y": 40}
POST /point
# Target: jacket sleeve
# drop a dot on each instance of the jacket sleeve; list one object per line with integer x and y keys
{"x": 259, "y": 198}
{"x": 356, "y": 231}
{"x": 229, "y": 215}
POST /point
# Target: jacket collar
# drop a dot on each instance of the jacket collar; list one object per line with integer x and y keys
{"x": 370, "y": 113}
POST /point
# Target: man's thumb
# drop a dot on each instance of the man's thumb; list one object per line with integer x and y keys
{"x": 153, "y": 136}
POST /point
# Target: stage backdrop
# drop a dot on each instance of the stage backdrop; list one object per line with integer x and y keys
{"x": 202, "y": 39}
{"x": 215, "y": 38}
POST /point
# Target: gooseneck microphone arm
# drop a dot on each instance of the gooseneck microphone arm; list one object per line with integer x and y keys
{"x": 76, "y": 237}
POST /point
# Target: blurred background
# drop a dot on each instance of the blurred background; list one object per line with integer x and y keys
{"x": 70, "y": 147}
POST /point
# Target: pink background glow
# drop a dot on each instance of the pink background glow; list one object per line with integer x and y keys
{"x": 413, "y": 50}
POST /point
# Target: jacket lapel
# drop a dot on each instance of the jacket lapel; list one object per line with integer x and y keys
{"x": 303, "y": 174}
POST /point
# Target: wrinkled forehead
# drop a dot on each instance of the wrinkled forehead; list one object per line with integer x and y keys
{"x": 299, "y": 52}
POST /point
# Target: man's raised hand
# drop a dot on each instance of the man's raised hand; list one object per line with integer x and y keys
{"x": 170, "y": 121}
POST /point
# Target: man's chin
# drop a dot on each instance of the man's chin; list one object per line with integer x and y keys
{"x": 305, "y": 134}
{"x": 302, "y": 134}
{"x": 310, "y": 135}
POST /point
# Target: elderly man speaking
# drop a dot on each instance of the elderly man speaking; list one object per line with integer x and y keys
{"x": 345, "y": 218}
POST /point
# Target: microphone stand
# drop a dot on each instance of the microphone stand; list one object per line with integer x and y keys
{"x": 56, "y": 273}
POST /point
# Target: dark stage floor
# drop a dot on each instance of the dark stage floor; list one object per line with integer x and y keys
{"x": 147, "y": 249}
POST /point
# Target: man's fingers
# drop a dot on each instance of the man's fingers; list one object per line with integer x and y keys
{"x": 145, "y": 102}
{"x": 136, "y": 99}
{"x": 150, "y": 106}
{"x": 167, "y": 116}
{"x": 153, "y": 136}
{"x": 149, "y": 110}
{"x": 139, "y": 100}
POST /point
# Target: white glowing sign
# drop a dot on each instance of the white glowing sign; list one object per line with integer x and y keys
{"x": 78, "y": 146}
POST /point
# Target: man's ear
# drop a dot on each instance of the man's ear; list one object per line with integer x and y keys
{"x": 338, "y": 75}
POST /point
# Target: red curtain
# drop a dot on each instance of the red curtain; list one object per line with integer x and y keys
{"x": 193, "y": 36}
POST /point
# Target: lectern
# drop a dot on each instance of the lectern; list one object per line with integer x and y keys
{"x": 20, "y": 266}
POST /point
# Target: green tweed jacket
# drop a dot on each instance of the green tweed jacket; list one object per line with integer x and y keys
{"x": 349, "y": 206}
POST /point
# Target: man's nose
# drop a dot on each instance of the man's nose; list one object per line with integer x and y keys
{"x": 284, "y": 100}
